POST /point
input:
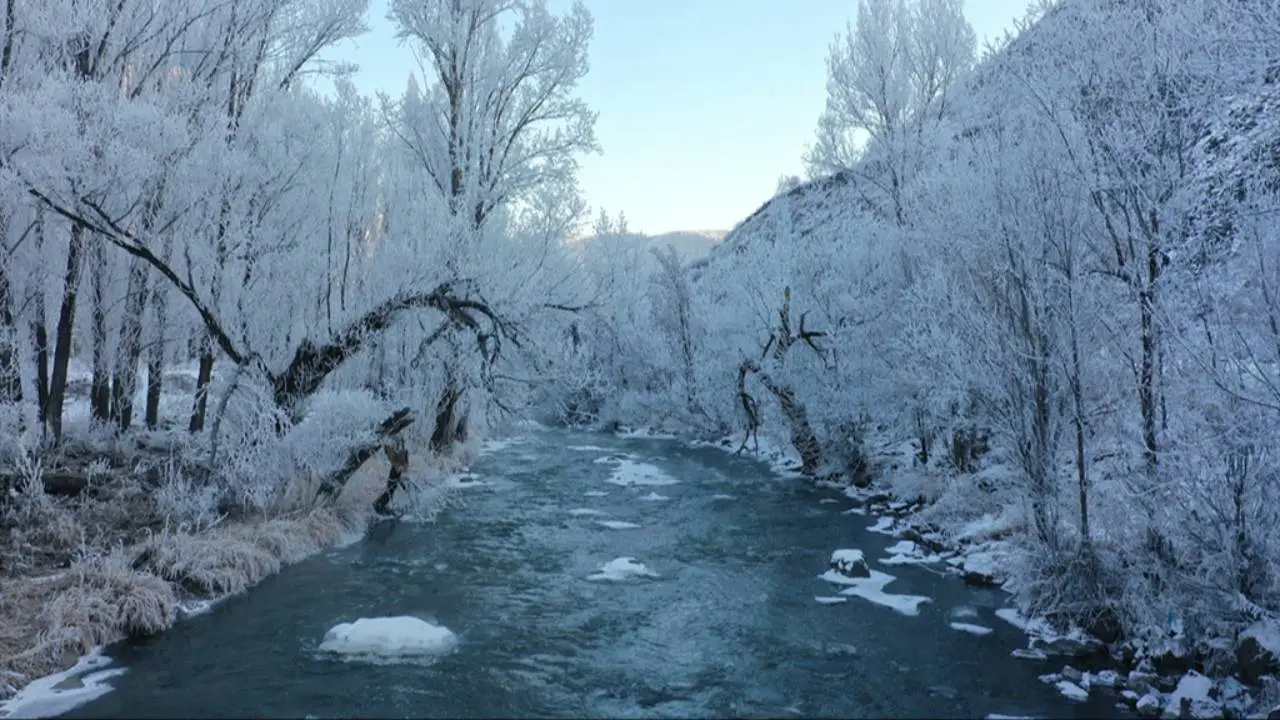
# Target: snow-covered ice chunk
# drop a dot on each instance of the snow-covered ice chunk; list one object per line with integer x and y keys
{"x": 617, "y": 524}
{"x": 883, "y": 526}
{"x": 1195, "y": 688}
{"x": 586, "y": 448}
{"x": 654, "y": 497}
{"x": 63, "y": 692}
{"x": 964, "y": 611}
{"x": 971, "y": 628}
{"x": 1029, "y": 654}
{"x": 1013, "y": 617}
{"x": 596, "y": 493}
{"x": 872, "y": 589}
{"x": 1072, "y": 691}
{"x": 827, "y": 501}
{"x": 615, "y": 458}
{"x": 830, "y": 599}
{"x": 389, "y": 638}
{"x": 629, "y": 473}
{"x": 579, "y": 512}
{"x": 723, "y": 496}
{"x": 621, "y": 569}
{"x": 906, "y": 552}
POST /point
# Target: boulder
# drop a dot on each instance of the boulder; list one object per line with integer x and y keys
{"x": 1256, "y": 654}
{"x": 850, "y": 563}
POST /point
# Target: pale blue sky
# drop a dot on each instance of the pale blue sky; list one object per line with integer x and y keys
{"x": 703, "y": 103}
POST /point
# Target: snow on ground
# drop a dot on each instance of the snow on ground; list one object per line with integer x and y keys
{"x": 1195, "y": 688}
{"x": 579, "y": 512}
{"x": 63, "y": 692}
{"x": 906, "y": 552}
{"x": 779, "y": 455}
{"x": 1266, "y": 633}
{"x": 830, "y": 599}
{"x": 872, "y": 589}
{"x": 630, "y": 473}
{"x": 654, "y": 497}
{"x": 1072, "y": 691}
{"x": 971, "y": 628}
{"x": 617, "y": 524}
{"x": 884, "y": 526}
{"x": 388, "y": 638}
{"x": 621, "y": 569}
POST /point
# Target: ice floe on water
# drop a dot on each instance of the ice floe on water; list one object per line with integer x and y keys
{"x": 617, "y": 524}
{"x": 615, "y": 458}
{"x": 621, "y": 569}
{"x": 630, "y": 473}
{"x": 830, "y": 599}
{"x": 63, "y": 692}
{"x": 388, "y": 639}
{"x": 827, "y": 501}
{"x": 596, "y": 493}
{"x": 849, "y": 567}
{"x": 579, "y": 512}
{"x": 971, "y": 628}
{"x": 906, "y": 552}
{"x": 587, "y": 448}
{"x": 723, "y": 496}
{"x": 654, "y": 497}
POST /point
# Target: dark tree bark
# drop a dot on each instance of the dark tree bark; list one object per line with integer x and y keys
{"x": 125, "y": 378}
{"x": 100, "y": 387}
{"x": 62, "y": 339}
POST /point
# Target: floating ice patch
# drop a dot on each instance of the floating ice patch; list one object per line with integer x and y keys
{"x": 579, "y": 512}
{"x": 654, "y": 497}
{"x": 1029, "y": 654}
{"x": 615, "y": 458}
{"x": 971, "y": 628}
{"x": 631, "y": 473}
{"x": 644, "y": 433}
{"x": 596, "y": 493}
{"x": 883, "y": 526}
{"x": 388, "y": 638}
{"x": 872, "y": 590}
{"x": 1072, "y": 691}
{"x": 587, "y": 448}
{"x": 723, "y": 496}
{"x": 463, "y": 480}
{"x": 998, "y": 716}
{"x": 617, "y": 524}
{"x": 830, "y": 599}
{"x": 964, "y": 611}
{"x": 1013, "y": 617}
{"x": 621, "y": 569}
{"x": 854, "y": 511}
{"x": 63, "y": 692}
{"x": 906, "y": 552}
{"x": 499, "y": 444}
{"x": 827, "y": 501}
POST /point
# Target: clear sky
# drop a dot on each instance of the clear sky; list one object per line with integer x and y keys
{"x": 703, "y": 103}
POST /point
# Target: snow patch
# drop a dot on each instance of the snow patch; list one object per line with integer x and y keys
{"x": 884, "y": 526}
{"x": 906, "y": 552}
{"x": 621, "y": 569}
{"x": 1195, "y": 688}
{"x": 617, "y": 524}
{"x": 388, "y": 638}
{"x": 630, "y": 473}
{"x": 1267, "y": 634}
{"x": 1072, "y": 691}
{"x": 62, "y": 692}
{"x": 872, "y": 590}
{"x": 972, "y": 629}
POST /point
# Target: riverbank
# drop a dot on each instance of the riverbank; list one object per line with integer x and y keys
{"x": 125, "y": 577}
{"x": 976, "y": 539}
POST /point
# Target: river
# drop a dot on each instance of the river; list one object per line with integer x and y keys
{"x": 728, "y": 627}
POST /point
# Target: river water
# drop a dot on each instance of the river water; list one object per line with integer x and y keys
{"x": 729, "y": 627}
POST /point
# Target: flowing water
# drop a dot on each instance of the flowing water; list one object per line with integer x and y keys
{"x": 728, "y": 627}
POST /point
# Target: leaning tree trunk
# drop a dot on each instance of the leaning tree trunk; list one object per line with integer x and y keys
{"x": 62, "y": 339}
{"x": 802, "y": 436}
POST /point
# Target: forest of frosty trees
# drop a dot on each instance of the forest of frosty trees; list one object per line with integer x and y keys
{"x": 1052, "y": 270}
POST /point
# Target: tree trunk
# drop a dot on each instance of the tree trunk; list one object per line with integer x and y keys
{"x": 62, "y": 339}
{"x": 100, "y": 388}
{"x": 155, "y": 357}
{"x": 202, "y": 386}
{"x": 10, "y": 378}
{"x": 129, "y": 351}
{"x": 449, "y": 423}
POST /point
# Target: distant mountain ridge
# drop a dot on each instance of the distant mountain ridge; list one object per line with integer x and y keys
{"x": 689, "y": 244}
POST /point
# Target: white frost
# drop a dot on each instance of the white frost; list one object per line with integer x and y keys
{"x": 621, "y": 569}
{"x": 388, "y": 637}
{"x": 971, "y": 628}
{"x": 872, "y": 589}
{"x": 617, "y": 524}
{"x": 63, "y": 692}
